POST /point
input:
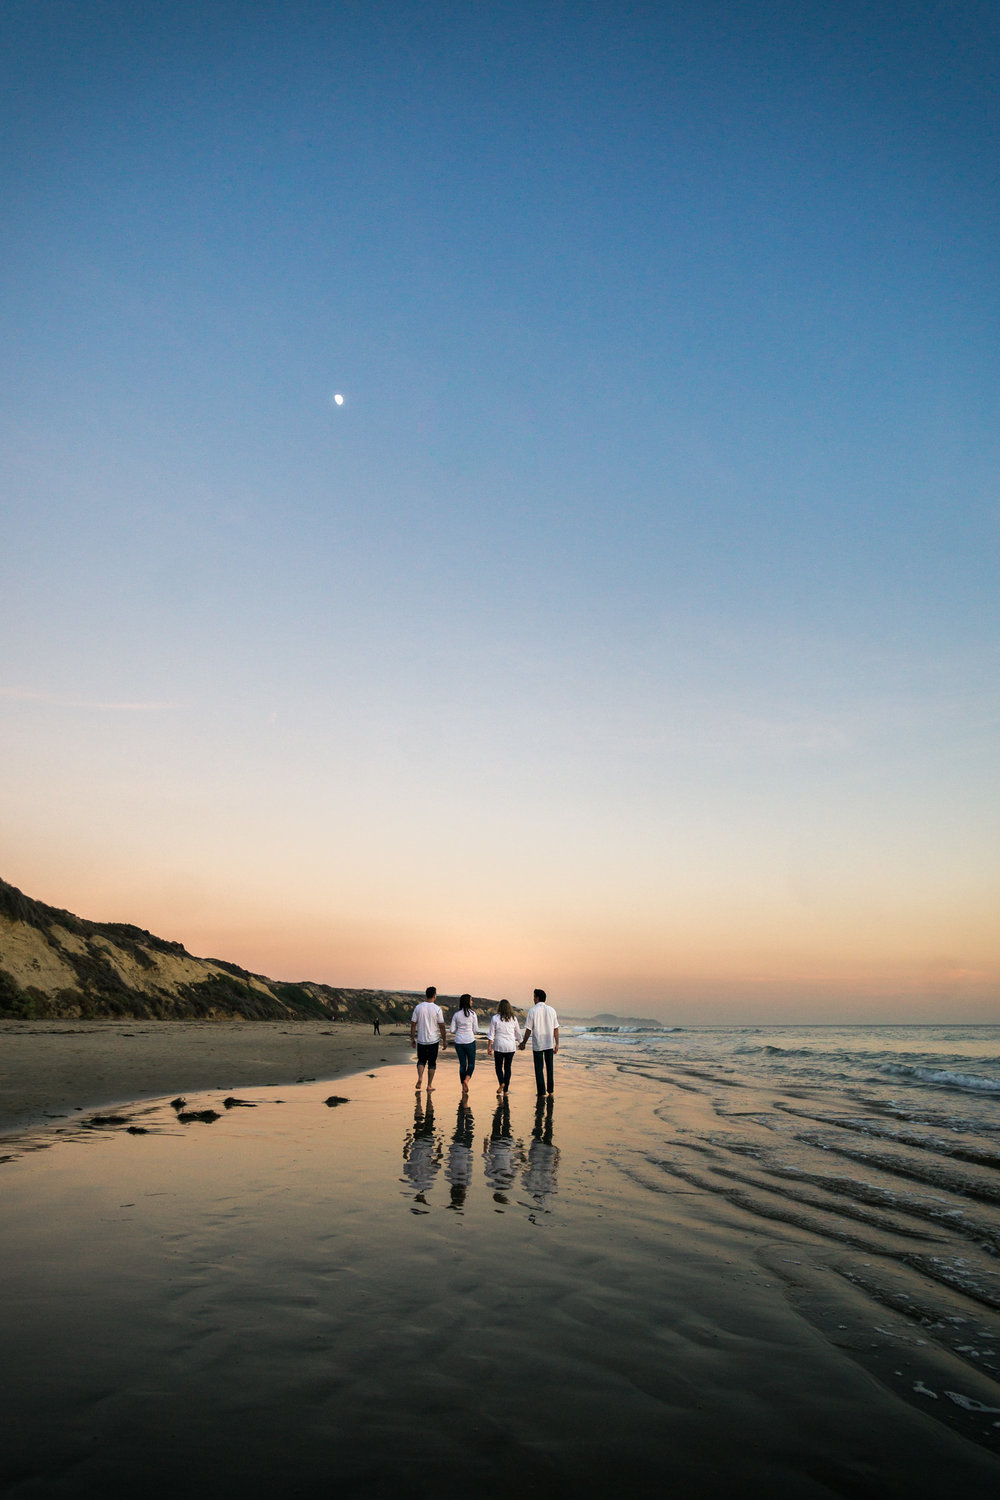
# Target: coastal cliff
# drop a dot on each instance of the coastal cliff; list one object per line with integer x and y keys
{"x": 54, "y": 965}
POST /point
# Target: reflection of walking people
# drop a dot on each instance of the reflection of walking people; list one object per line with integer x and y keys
{"x": 464, "y": 1029}
{"x": 426, "y": 1033}
{"x": 501, "y": 1154}
{"x": 542, "y": 1025}
{"x": 502, "y": 1039}
{"x": 422, "y": 1152}
{"x": 460, "y": 1160}
{"x": 543, "y": 1157}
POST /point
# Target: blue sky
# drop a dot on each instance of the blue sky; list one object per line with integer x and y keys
{"x": 633, "y": 622}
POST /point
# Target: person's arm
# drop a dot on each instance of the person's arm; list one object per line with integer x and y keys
{"x": 555, "y": 1038}
{"x": 524, "y": 1043}
{"x": 490, "y": 1035}
{"x": 444, "y": 1034}
{"x": 413, "y": 1032}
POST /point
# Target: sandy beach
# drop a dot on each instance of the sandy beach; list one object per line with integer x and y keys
{"x": 398, "y": 1293}
{"x": 50, "y": 1069}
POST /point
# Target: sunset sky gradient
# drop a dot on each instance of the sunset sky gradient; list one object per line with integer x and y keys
{"x": 631, "y": 629}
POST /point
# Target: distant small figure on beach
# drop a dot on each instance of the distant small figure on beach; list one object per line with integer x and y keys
{"x": 502, "y": 1041}
{"x": 426, "y": 1033}
{"x": 464, "y": 1027}
{"x": 377, "y": 1031}
{"x": 541, "y": 1024}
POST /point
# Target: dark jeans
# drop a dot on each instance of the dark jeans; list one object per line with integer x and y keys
{"x": 466, "y": 1059}
{"x": 538, "y": 1058}
{"x": 502, "y": 1062}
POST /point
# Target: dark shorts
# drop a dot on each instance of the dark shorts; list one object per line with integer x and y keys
{"x": 427, "y": 1052}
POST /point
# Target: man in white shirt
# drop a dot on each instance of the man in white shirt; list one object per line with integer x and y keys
{"x": 542, "y": 1025}
{"x": 426, "y": 1033}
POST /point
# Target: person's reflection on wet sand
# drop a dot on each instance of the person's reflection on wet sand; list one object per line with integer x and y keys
{"x": 543, "y": 1157}
{"x": 459, "y": 1168}
{"x": 422, "y": 1152}
{"x": 502, "y": 1155}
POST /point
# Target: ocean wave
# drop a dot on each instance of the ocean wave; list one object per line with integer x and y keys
{"x": 768, "y": 1050}
{"x": 944, "y": 1077}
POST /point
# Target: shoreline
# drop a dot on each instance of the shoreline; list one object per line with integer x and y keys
{"x": 54, "y": 1069}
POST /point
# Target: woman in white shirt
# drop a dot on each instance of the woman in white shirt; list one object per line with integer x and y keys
{"x": 464, "y": 1027}
{"x": 501, "y": 1042}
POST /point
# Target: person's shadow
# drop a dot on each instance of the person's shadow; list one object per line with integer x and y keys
{"x": 542, "y": 1164}
{"x": 459, "y": 1168}
{"x": 422, "y": 1153}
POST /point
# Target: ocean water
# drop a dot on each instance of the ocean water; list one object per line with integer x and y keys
{"x": 943, "y": 1070}
{"x": 877, "y": 1148}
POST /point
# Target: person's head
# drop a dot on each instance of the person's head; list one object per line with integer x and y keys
{"x": 505, "y": 1011}
{"x": 465, "y": 1001}
{"x": 539, "y": 997}
{"x": 431, "y": 992}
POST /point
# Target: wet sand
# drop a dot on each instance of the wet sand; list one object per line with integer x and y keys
{"x": 380, "y": 1298}
{"x": 51, "y": 1069}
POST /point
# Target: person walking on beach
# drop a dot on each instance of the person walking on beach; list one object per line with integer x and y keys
{"x": 426, "y": 1033}
{"x": 377, "y": 1031}
{"x": 542, "y": 1025}
{"x": 464, "y": 1028}
{"x": 501, "y": 1043}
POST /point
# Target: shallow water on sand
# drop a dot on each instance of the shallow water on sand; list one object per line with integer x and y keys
{"x": 376, "y": 1299}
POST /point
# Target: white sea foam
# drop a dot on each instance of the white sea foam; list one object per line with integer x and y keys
{"x": 969, "y": 1403}
{"x": 944, "y": 1077}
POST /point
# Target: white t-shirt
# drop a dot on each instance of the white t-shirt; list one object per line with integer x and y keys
{"x": 505, "y": 1035}
{"x": 428, "y": 1016}
{"x": 464, "y": 1027}
{"x": 543, "y": 1022}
